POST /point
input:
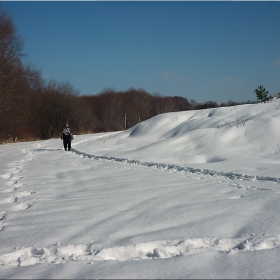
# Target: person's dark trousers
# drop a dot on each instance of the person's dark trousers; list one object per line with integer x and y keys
{"x": 67, "y": 143}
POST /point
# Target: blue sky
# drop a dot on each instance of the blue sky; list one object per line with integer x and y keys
{"x": 216, "y": 51}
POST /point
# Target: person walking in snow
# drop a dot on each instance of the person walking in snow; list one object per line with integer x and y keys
{"x": 67, "y": 136}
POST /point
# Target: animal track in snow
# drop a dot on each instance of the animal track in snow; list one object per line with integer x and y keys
{"x": 92, "y": 253}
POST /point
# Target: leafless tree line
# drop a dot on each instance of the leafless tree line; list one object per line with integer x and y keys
{"x": 32, "y": 108}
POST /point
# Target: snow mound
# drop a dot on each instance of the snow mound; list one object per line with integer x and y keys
{"x": 227, "y": 139}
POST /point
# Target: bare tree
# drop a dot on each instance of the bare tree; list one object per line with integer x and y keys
{"x": 53, "y": 107}
{"x": 14, "y": 86}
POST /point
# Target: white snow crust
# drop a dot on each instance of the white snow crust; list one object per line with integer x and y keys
{"x": 191, "y": 194}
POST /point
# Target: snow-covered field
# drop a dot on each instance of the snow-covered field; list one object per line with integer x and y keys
{"x": 192, "y": 194}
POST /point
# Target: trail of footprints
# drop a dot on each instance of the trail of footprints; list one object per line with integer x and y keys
{"x": 12, "y": 196}
{"x": 248, "y": 188}
{"x": 230, "y": 177}
{"x": 91, "y": 253}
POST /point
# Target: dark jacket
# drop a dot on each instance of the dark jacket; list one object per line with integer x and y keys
{"x": 67, "y": 132}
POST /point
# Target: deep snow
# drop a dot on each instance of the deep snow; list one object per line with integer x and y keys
{"x": 190, "y": 194}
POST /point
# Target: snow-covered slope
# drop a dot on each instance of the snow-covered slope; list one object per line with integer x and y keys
{"x": 227, "y": 139}
{"x": 190, "y": 194}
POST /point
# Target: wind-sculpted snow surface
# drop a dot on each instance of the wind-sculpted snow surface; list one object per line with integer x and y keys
{"x": 190, "y": 194}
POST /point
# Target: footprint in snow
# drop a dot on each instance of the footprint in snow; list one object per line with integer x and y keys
{"x": 22, "y": 206}
{"x": 12, "y": 164}
{"x": 2, "y": 225}
{"x": 25, "y": 193}
{"x": 264, "y": 189}
{"x": 2, "y": 215}
{"x": 251, "y": 188}
{"x": 11, "y": 199}
{"x": 8, "y": 176}
{"x": 238, "y": 186}
{"x": 13, "y": 189}
{"x": 236, "y": 197}
{"x": 12, "y": 182}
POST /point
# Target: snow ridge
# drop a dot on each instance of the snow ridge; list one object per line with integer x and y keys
{"x": 92, "y": 253}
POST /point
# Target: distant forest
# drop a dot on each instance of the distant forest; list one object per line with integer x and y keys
{"x": 33, "y": 108}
